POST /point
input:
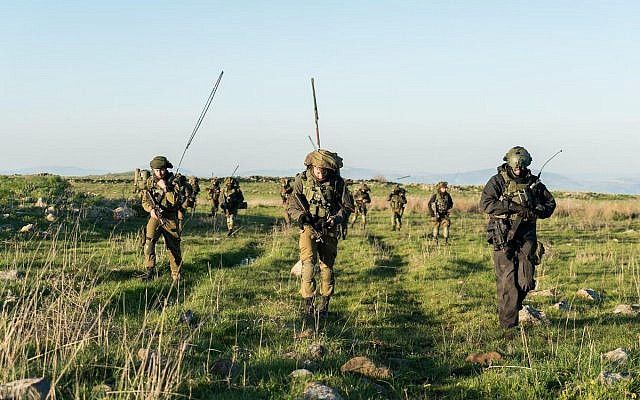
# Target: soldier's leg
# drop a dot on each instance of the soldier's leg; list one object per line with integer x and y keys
{"x": 446, "y": 223}
{"x": 436, "y": 229}
{"x": 508, "y": 293}
{"x": 308, "y": 258}
{"x": 287, "y": 218}
{"x": 327, "y": 252}
{"x": 399, "y": 221}
{"x": 152, "y": 234}
{"x": 393, "y": 220}
{"x": 526, "y": 267}
{"x": 364, "y": 218}
{"x": 171, "y": 234}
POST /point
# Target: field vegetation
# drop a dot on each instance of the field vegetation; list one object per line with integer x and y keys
{"x": 73, "y": 311}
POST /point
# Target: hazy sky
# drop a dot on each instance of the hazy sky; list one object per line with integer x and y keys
{"x": 429, "y": 86}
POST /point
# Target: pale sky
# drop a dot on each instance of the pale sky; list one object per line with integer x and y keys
{"x": 428, "y": 86}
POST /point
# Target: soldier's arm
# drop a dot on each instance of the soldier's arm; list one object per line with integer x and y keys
{"x": 546, "y": 203}
{"x": 490, "y": 201}
{"x": 346, "y": 202}
{"x": 293, "y": 208}
{"x": 430, "y": 205}
{"x": 450, "y": 205}
{"x": 147, "y": 204}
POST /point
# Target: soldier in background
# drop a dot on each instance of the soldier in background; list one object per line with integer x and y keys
{"x": 285, "y": 193}
{"x": 439, "y": 206}
{"x": 397, "y": 201}
{"x": 362, "y": 199}
{"x": 515, "y": 199}
{"x": 320, "y": 203}
{"x": 194, "y": 182}
{"x": 214, "y": 195}
{"x": 232, "y": 201}
{"x": 164, "y": 200}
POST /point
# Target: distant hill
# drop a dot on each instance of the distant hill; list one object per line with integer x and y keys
{"x": 621, "y": 185}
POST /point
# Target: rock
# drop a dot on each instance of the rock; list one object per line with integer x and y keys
{"x": 225, "y": 368}
{"x": 627, "y": 309}
{"x": 609, "y": 378}
{"x": 300, "y": 373}
{"x": 316, "y": 351}
{"x": 31, "y": 388}
{"x": 530, "y": 315}
{"x": 296, "y": 270}
{"x": 544, "y": 293}
{"x": 11, "y": 275}
{"x": 51, "y": 218}
{"x": 95, "y": 213}
{"x": 616, "y": 356}
{"x": 366, "y": 367}
{"x": 123, "y": 213}
{"x": 589, "y": 294}
{"x": 561, "y": 306}
{"x": 51, "y": 210}
{"x": 484, "y": 358}
{"x": 30, "y": 228}
{"x": 305, "y": 334}
{"x": 318, "y": 391}
{"x": 40, "y": 203}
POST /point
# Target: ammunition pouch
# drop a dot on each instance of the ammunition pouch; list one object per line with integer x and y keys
{"x": 497, "y": 232}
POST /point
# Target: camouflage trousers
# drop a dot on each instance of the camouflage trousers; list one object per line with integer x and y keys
{"x": 444, "y": 223}
{"x": 312, "y": 254}
{"x": 214, "y": 207}
{"x": 396, "y": 219}
{"x": 515, "y": 271}
{"x": 287, "y": 217}
{"x": 231, "y": 220}
{"x": 360, "y": 211}
{"x": 171, "y": 234}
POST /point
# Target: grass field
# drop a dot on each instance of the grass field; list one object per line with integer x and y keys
{"x": 81, "y": 318}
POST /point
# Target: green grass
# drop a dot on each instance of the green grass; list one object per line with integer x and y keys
{"x": 421, "y": 309}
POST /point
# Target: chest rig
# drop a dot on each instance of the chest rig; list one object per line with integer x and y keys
{"x": 441, "y": 203}
{"x": 323, "y": 198}
{"x": 518, "y": 192}
{"x": 160, "y": 196}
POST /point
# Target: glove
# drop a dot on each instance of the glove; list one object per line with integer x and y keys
{"x": 303, "y": 219}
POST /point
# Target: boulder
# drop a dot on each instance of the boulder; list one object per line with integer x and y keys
{"x": 11, "y": 275}
{"x": 630, "y": 310}
{"x": 616, "y": 356}
{"x": 296, "y": 270}
{"x": 31, "y": 388}
{"x": 484, "y": 358}
{"x": 29, "y": 228}
{"x": 364, "y": 366}
{"x": 589, "y": 295}
{"x": 561, "y": 306}
{"x": 609, "y": 378}
{"x": 300, "y": 373}
{"x": 544, "y": 293}
{"x": 530, "y": 315}
{"x": 318, "y": 391}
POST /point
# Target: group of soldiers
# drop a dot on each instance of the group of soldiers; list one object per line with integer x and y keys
{"x": 319, "y": 202}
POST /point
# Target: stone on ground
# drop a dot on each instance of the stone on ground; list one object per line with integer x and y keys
{"x": 29, "y": 228}
{"x": 31, "y": 388}
{"x": 318, "y": 391}
{"x": 364, "y": 366}
{"x": 296, "y": 270}
{"x": 530, "y": 315}
{"x": 589, "y": 294}
{"x": 627, "y": 309}
{"x": 484, "y": 358}
{"x": 616, "y": 356}
{"x": 300, "y": 373}
{"x": 609, "y": 378}
{"x": 562, "y": 306}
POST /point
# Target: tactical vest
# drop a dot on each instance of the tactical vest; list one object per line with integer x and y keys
{"x": 397, "y": 200}
{"x": 324, "y": 198}
{"x": 159, "y": 196}
{"x": 441, "y": 203}
{"x": 519, "y": 193}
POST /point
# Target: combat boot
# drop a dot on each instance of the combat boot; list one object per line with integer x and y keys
{"x": 309, "y": 309}
{"x": 148, "y": 275}
{"x": 324, "y": 307}
{"x": 229, "y": 232}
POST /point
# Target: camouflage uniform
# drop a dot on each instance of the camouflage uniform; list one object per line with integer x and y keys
{"x": 169, "y": 205}
{"x": 232, "y": 201}
{"x": 194, "y": 184}
{"x": 320, "y": 207}
{"x": 514, "y": 204}
{"x": 361, "y": 199}
{"x": 397, "y": 200}
{"x": 214, "y": 195}
{"x": 439, "y": 205}
{"x": 285, "y": 192}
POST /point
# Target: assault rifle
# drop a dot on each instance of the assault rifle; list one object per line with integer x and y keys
{"x": 157, "y": 208}
{"x": 311, "y": 219}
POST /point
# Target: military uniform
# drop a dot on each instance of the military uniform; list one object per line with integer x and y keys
{"x": 285, "y": 193}
{"x": 397, "y": 201}
{"x": 439, "y": 206}
{"x": 194, "y": 184}
{"x": 514, "y": 204}
{"x": 232, "y": 201}
{"x": 362, "y": 199}
{"x": 168, "y": 204}
{"x": 214, "y": 195}
{"x": 320, "y": 207}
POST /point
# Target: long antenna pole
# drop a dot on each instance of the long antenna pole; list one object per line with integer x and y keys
{"x": 312, "y": 144}
{"x": 201, "y": 118}
{"x": 234, "y": 171}
{"x": 315, "y": 109}
{"x": 547, "y": 162}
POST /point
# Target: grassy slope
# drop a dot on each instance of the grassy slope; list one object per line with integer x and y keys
{"x": 400, "y": 300}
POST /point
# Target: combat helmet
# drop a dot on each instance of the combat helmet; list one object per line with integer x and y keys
{"x": 323, "y": 159}
{"x": 231, "y": 182}
{"x": 160, "y": 162}
{"x": 442, "y": 184}
{"x": 517, "y": 157}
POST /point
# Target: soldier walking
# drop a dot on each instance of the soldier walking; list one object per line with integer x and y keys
{"x": 397, "y": 201}
{"x": 320, "y": 203}
{"x": 439, "y": 206}
{"x": 362, "y": 199}
{"x": 285, "y": 193}
{"x": 232, "y": 201}
{"x": 515, "y": 199}
{"x": 214, "y": 195}
{"x": 164, "y": 202}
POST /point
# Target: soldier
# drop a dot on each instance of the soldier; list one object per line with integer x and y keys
{"x": 285, "y": 192}
{"x": 214, "y": 195}
{"x": 439, "y": 205}
{"x": 232, "y": 201}
{"x": 164, "y": 201}
{"x": 194, "y": 182}
{"x": 515, "y": 199}
{"x": 397, "y": 200}
{"x": 361, "y": 198}
{"x": 320, "y": 203}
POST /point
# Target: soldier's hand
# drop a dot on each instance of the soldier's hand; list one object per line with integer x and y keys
{"x": 527, "y": 214}
{"x": 303, "y": 219}
{"x": 153, "y": 214}
{"x": 162, "y": 184}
